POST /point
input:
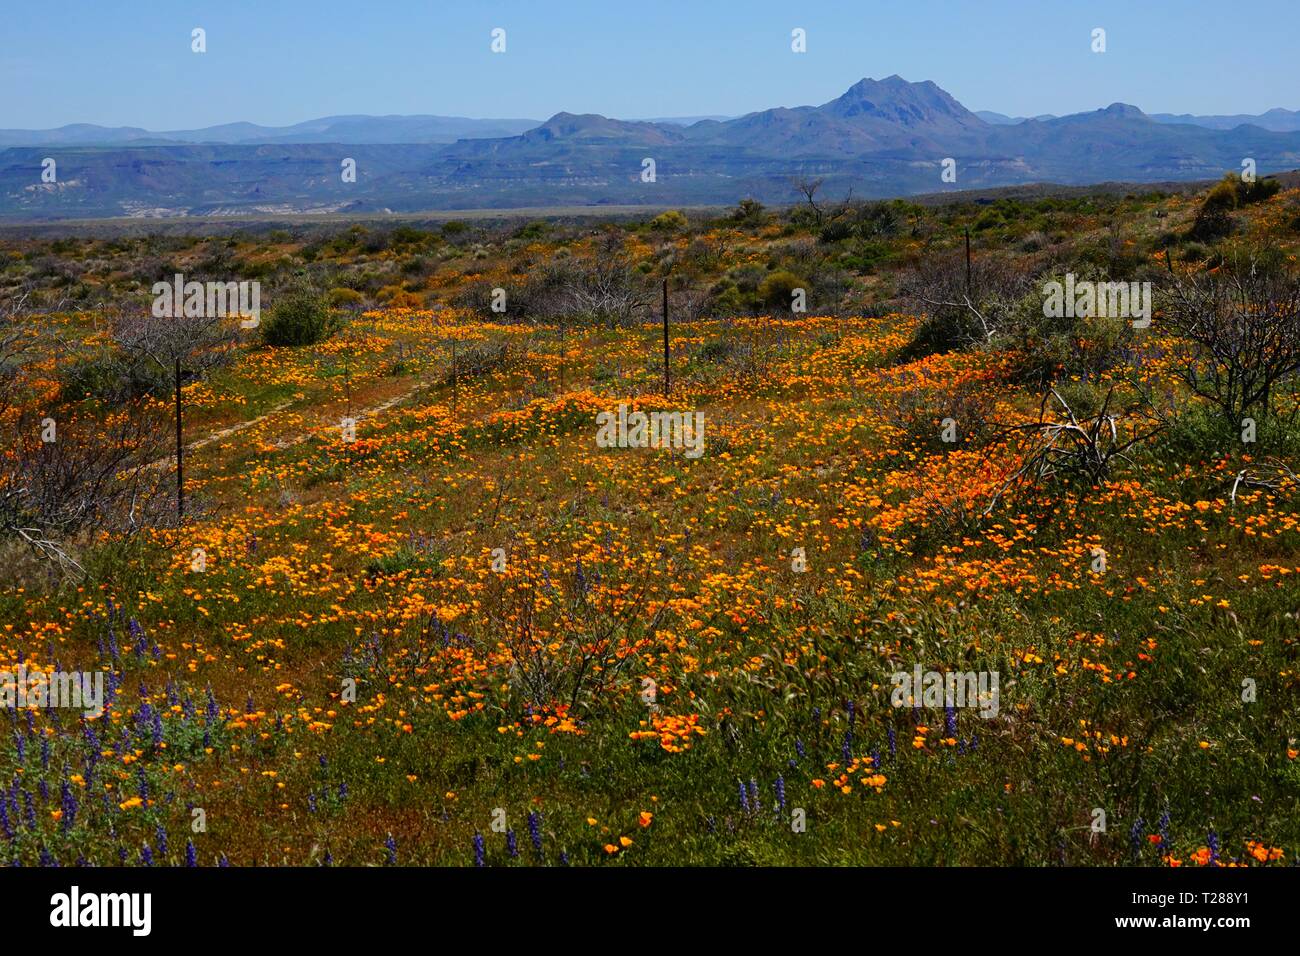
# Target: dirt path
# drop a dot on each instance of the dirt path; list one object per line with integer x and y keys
{"x": 288, "y": 442}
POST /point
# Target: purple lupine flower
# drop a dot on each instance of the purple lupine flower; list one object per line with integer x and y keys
{"x": 157, "y": 728}
{"x": 222, "y": 861}
{"x": 329, "y": 858}
{"x": 893, "y": 741}
{"x": 753, "y": 794}
{"x": 780, "y": 792}
{"x": 1163, "y": 827}
{"x": 47, "y": 859}
{"x": 512, "y": 845}
{"x": 535, "y": 830}
{"x": 311, "y": 802}
{"x": 744, "y": 797}
{"x": 564, "y": 858}
{"x": 5, "y": 825}
{"x": 1135, "y": 836}
{"x": 343, "y": 791}
{"x": 161, "y": 838}
{"x": 143, "y": 785}
{"x": 949, "y": 720}
{"x": 480, "y": 850}
{"x": 1212, "y": 841}
{"x": 45, "y": 753}
{"x": 799, "y": 749}
{"x": 846, "y": 749}
{"x": 146, "y": 855}
{"x": 191, "y": 854}
{"x": 69, "y": 803}
{"x": 391, "y": 846}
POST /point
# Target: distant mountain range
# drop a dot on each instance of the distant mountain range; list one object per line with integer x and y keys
{"x": 1277, "y": 120}
{"x": 880, "y": 138}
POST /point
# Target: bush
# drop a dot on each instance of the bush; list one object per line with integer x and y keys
{"x": 778, "y": 288}
{"x": 480, "y": 359}
{"x": 670, "y": 221}
{"x": 343, "y": 298}
{"x": 954, "y": 320}
{"x": 114, "y": 379}
{"x": 300, "y": 316}
{"x": 748, "y": 212}
{"x": 1213, "y": 220}
{"x": 401, "y": 299}
{"x": 1049, "y": 349}
{"x": 1240, "y": 329}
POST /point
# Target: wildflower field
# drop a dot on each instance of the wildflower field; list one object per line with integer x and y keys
{"x": 459, "y": 632}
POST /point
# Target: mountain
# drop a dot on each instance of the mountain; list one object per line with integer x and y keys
{"x": 1001, "y": 119}
{"x": 879, "y": 138}
{"x": 1278, "y": 120}
{"x": 328, "y": 129}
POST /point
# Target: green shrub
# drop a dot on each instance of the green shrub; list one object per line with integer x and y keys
{"x": 300, "y": 316}
{"x": 114, "y": 379}
{"x": 670, "y": 221}
{"x": 342, "y": 298}
{"x": 778, "y": 288}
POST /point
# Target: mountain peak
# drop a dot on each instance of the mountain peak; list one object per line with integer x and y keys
{"x": 898, "y": 101}
{"x": 594, "y": 128}
{"x": 1125, "y": 110}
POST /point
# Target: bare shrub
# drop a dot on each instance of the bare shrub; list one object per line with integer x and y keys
{"x": 94, "y": 476}
{"x": 570, "y": 643}
{"x": 1079, "y": 449}
{"x": 957, "y": 315}
{"x": 1241, "y": 324}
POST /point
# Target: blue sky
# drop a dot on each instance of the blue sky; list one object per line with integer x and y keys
{"x": 128, "y": 62}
